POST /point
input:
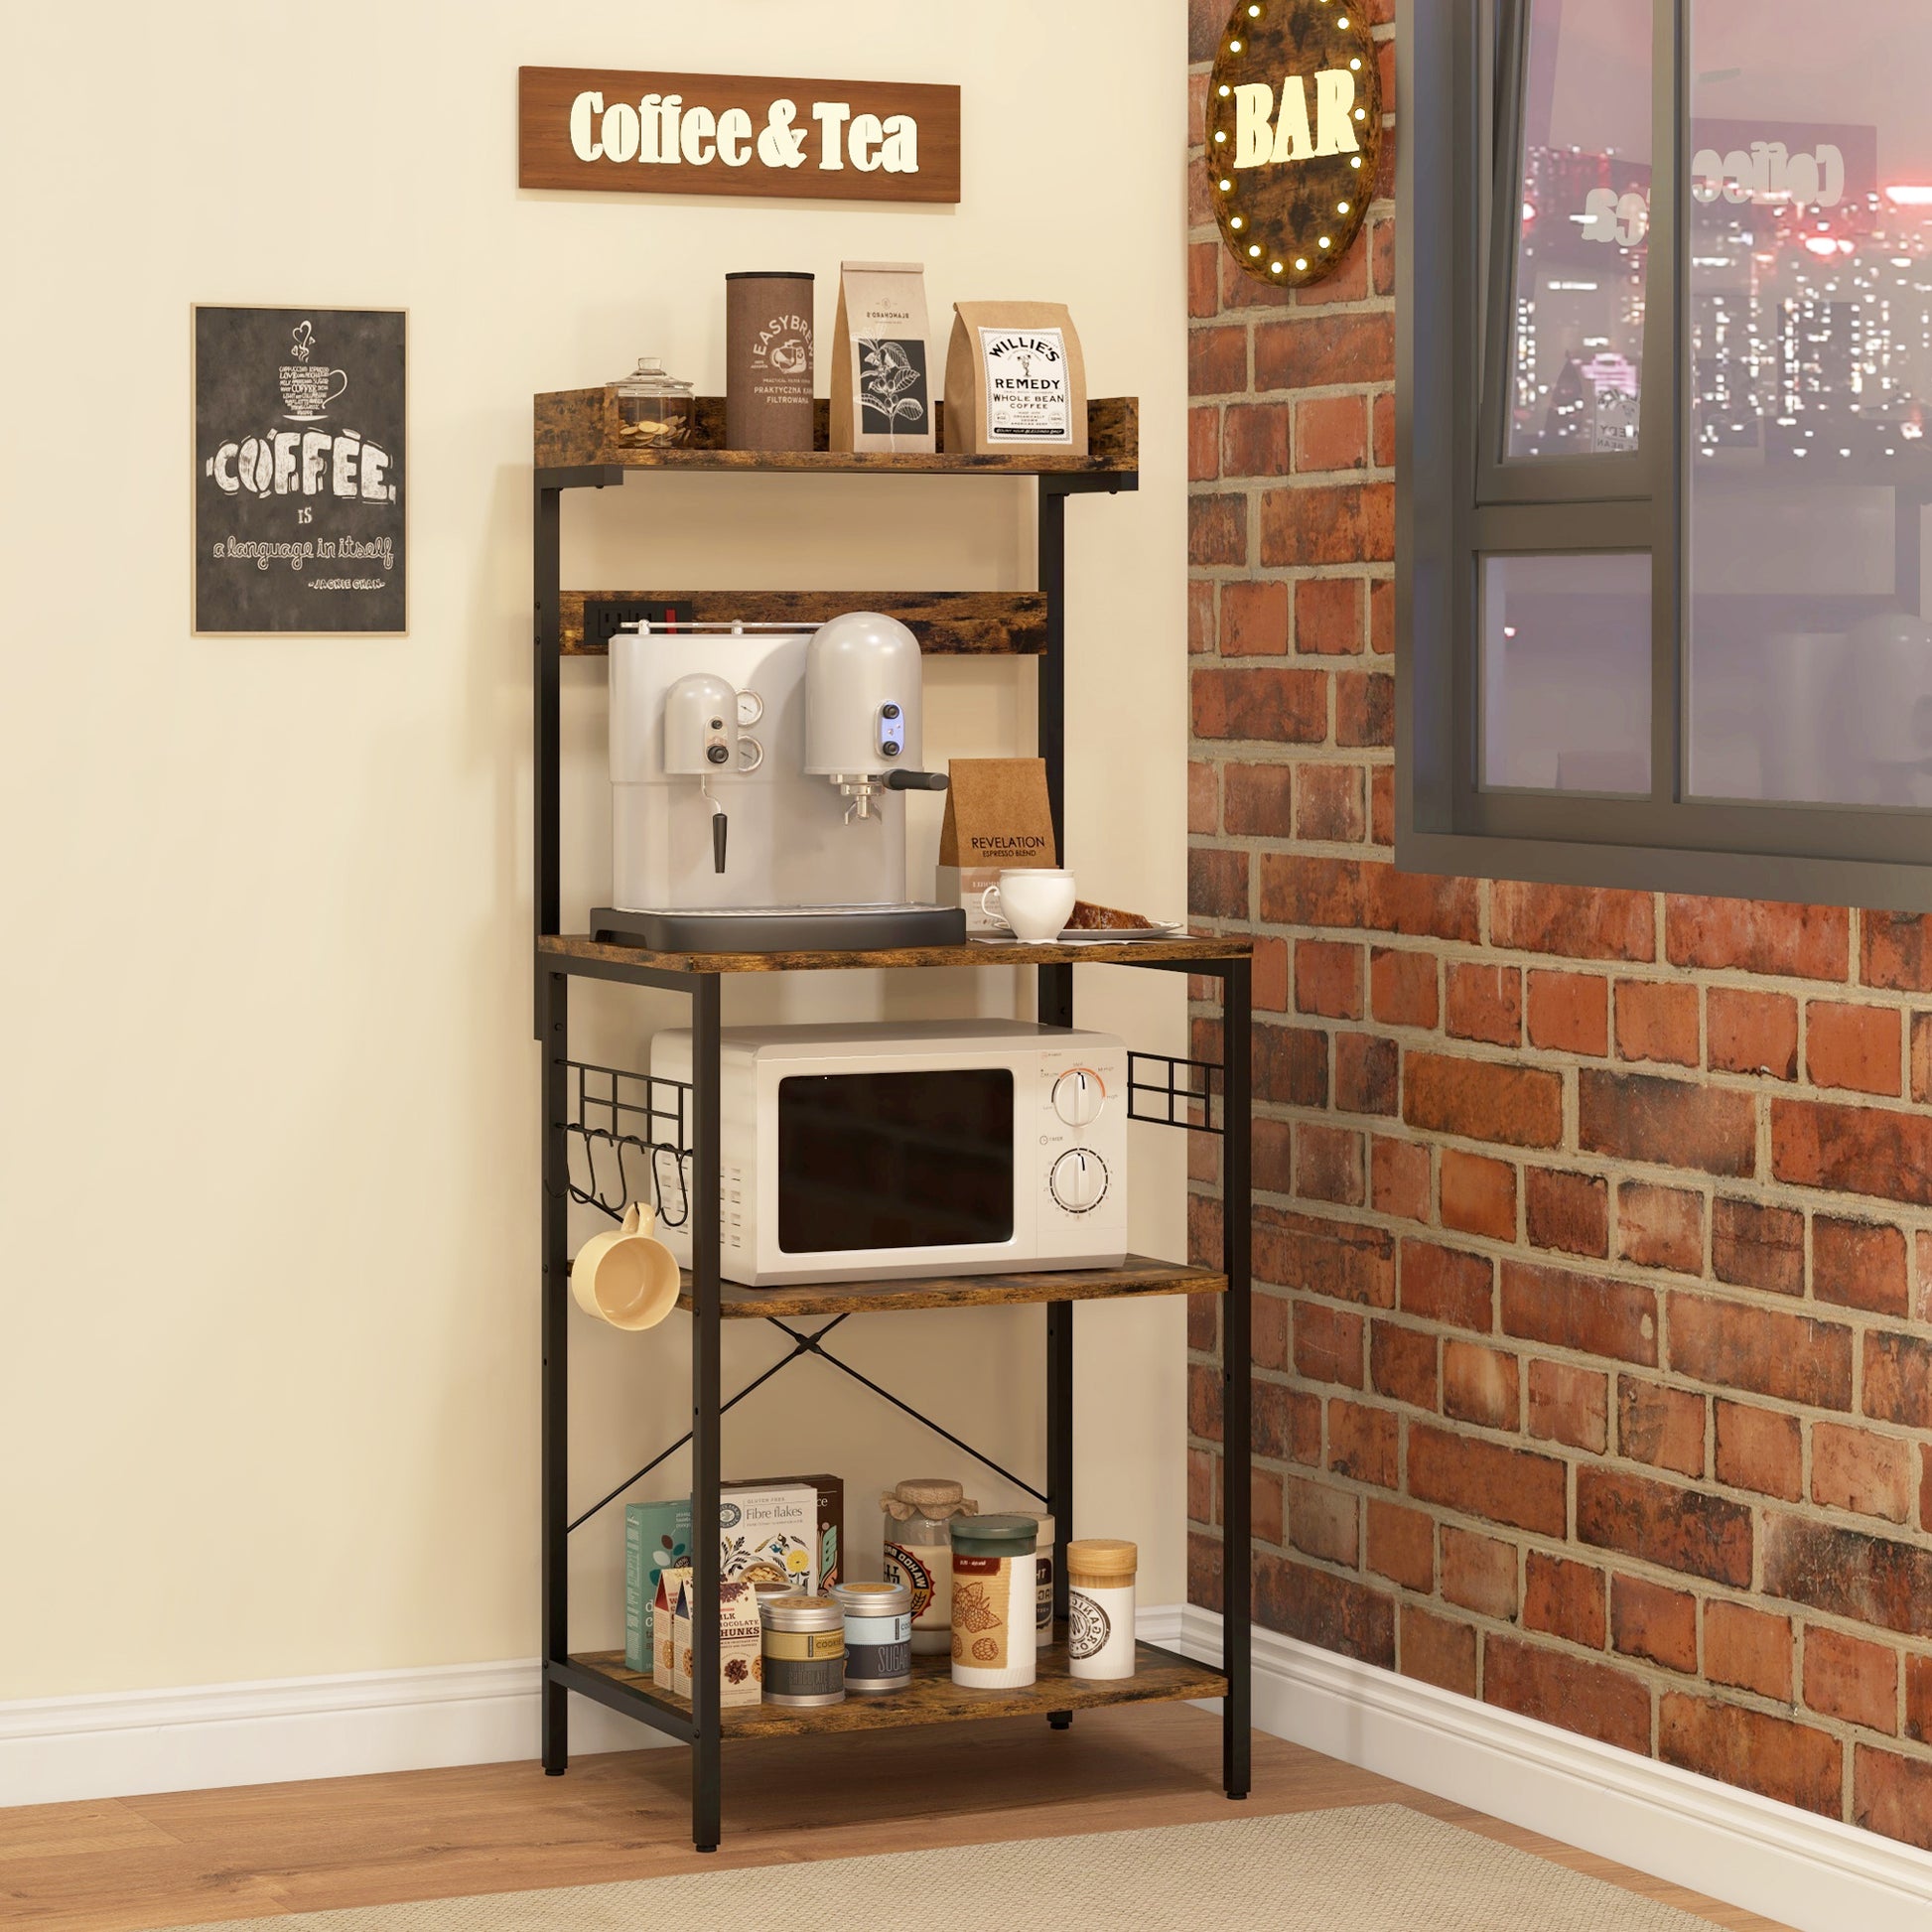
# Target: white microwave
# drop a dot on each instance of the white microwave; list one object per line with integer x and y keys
{"x": 893, "y": 1151}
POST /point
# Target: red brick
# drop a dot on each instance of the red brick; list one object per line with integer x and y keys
{"x": 1871, "y": 1579}
{"x": 1254, "y": 440}
{"x": 1657, "y": 1021}
{"x": 1272, "y": 1326}
{"x": 1482, "y": 1385}
{"x": 1660, "y": 1227}
{"x": 1564, "y": 1600}
{"x": 1895, "y": 952}
{"x": 1204, "y": 799}
{"x": 1259, "y": 800}
{"x": 1328, "y": 616}
{"x": 1672, "y": 1123}
{"x": 1330, "y": 433}
{"x": 1402, "y": 1365}
{"x": 1855, "y": 1265}
{"x": 1659, "y": 1523}
{"x": 1325, "y": 351}
{"x": 1328, "y": 979}
{"x": 1479, "y": 1574}
{"x": 1857, "y": 1047}
{"x": 1401, "y": 1545}
{"x": 1853, "y": 1150}
{"x": 1322, "y": 1521}
{"x": 1203, "y": 443}
{"x": 1364, "y": 1444}
{"x": 1918, "y": 1700}
{"x": 1446, "y": 1285}
{"x": 1761, "y": 1449}
{"x": 1486, "y": 1003}
{"x": 1477, "y": 1479}
{"x": 1205, "y": 19}
{"x": 1217, "y": 360}
{"x": 1202, "y": 1470}
{"x": 1596, "y": 1699}
{"x": 1331, "y": 803}
{"x": 1217, "y": 882}
{"x": 1869, "y": 1476}
{"x": 1331, "y": 1613}
{"x": 1203, "y": 278}
{"x": 1328, "y": 1164}
{"x": 1483, "y": 1100}
{"x": 1792, "y": 1763}
{"x": 1364, "y": 894}
{"x": 1753, "y": 1246}
{"x": 1369, "y": 1075}
{"x": 1384, "y": 431}
{"x": 1274, "y": 1156}
{"x": 1582, "y": 1312}
{"x": 1397, "y": 1178}
{"x": 1892, "y": 1796}
{"x": 1328, "y": 1344}
{"x": 1279, "y": 707}
{"x": 1267, "y": 1512}
{"x": 1381, "y": 617}
{"x": 1204, "y": 1400}
{"x": 1478, "y": 1194}
{"x": 1254, "y": 619}
{"x": 1569, "y": 1013}
{"x": 1200, "y": 618}
{"x": 1383, "y": 246}
{"x": 1659, "y": 1425}
{"x": 1364, "y": 709}
{"x": 1751, "y": 1033}
{"x": 1328, "y": 524}
{"x": 1437, "y": 1651}
{"x": 1205, "y": 1569}
{"x": 1573, "y": 921}
{"x": 1650, "y": 1621}
{"x": 1286, "y": 1424}
{"x": 1812, "y": 942}
{"x": 1402, "y": 988}
{"x": 1570, "y": 1405}
{"x": 1733, "y": 1345}
{"x": 1566, "y": 1211}
{"x": 1343, "y": 1261}
{"x": 1852, "y": 1679}
{"x": 1922, "y": 1051}
{"x": 1899, "y": 1379}
{"x": 1749, "y": 1650}
{"x": 1218, "y": 531}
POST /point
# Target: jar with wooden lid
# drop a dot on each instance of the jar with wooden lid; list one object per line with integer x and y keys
{"x": 994, "y": 1586}
{"x": 878, "y": 1635}
{"x": 918, "y": 1554}
{"x": 803, "y": 1651}
{"x": 1100, "y": 1606}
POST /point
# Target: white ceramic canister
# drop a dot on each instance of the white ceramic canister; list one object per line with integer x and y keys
{"x": 995, "y": 1585}
{"x": 918, "y": 1554}
{"x": 1044, "y": 1580}
{"x": 1100, "y": 1607}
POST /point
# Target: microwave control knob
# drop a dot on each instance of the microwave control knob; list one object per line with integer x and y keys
{"x": 1079, "y": 1096}
{"x": 1079, "y": 1180}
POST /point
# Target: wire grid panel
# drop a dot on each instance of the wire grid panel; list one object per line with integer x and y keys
{"x": 1173, "y": 1092}
{"x": 633, "y": 1130}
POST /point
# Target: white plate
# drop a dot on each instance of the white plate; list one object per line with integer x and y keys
{"x": 1087, "y": 936}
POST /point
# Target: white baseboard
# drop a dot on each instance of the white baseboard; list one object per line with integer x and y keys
{"x": 1790, "y": 1866}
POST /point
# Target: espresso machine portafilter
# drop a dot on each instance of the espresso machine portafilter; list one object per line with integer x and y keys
{"x": 862, "y": 704}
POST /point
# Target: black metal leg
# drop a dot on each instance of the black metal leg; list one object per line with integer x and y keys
{"x": 1052, "y": 664}
{"x": 707, "y": 1195}
{"x": 1057, "y": 1010}
{"x": 547, "y": 715}
{"x": 553, "y": 1022}
{"x": 1238, "y": 1212}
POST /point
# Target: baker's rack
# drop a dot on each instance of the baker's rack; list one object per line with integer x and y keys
{"x": 586, "y": 1106}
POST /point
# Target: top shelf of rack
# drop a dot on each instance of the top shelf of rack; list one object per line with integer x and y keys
{"x": 576, "y": 429}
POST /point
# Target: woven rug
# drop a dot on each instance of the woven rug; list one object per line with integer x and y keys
{"x": 1371, "y": 1869}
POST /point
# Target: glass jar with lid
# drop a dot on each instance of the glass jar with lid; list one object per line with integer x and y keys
{"x": 918, "y": 1553}
{"x": 655, "y": 411}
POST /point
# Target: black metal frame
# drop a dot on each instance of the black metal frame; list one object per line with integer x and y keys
{"x": 1459, "y": 63}
{"x": 700, "y": 1726}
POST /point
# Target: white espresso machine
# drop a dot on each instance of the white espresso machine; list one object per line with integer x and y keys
{"x": 757, "y": 775}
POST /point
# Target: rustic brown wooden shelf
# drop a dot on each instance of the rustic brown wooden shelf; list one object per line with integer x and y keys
{"x": 1161, "y": 1677}
{"x": 948, "y": 623}
{"x": 578, "y": 429}
{"x": 1136, "y": 1277}
{"x": 1145, "y": 952}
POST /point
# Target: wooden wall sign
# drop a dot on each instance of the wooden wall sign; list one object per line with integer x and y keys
{"x": 629, "y": 133}
{"x": 1294, "y": 135}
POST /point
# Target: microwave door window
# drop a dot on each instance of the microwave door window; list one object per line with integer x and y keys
{"x": 882, "y": 1160}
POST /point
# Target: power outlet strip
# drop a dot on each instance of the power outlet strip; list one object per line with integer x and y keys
{"x": 605, "y": 616}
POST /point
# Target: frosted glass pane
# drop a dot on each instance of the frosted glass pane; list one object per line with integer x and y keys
{"x": 1583, "y": 238}
{"x": 1566, "y": 673}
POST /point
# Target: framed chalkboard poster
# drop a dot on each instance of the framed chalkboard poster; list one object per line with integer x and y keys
{"x": 300, "y": 479}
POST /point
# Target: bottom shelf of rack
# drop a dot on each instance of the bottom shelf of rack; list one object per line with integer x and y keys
{"x": 932, "y": 1698}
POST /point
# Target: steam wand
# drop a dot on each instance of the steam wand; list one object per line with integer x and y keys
{"x": 720, "y": 826}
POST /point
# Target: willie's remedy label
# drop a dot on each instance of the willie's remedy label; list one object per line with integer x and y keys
{"x": 1028, "y": 394}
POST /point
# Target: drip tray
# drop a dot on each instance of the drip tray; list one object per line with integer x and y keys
{"x": 784, "y": 929}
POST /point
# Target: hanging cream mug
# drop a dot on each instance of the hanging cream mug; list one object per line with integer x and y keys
{"x": 628, "y": 1277}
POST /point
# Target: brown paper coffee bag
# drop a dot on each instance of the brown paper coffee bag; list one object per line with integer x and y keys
{"x": 882, "y": 390}
{"x": 1016, "y": 379}
{"x": 998, "y": 819}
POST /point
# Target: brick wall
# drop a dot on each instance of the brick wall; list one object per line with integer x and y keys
{"x": 1593, "y": 1366}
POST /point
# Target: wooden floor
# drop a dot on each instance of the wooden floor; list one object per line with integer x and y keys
{"x": 135, "y": 1864}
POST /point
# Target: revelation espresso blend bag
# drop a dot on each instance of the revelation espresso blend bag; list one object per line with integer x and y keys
{"x": 1014, "y": 379}
{"x": 882, "y": 391}
{"x": 998, "y": 819}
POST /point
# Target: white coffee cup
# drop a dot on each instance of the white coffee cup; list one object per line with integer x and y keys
{"x": 1032, "y": 904}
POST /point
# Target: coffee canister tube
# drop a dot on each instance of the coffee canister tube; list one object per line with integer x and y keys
{"x": 1044, "y": 1580}
{"x": 878, "y": 1635}
{"x": 994, "y": 1589}
{"x": 1100, "y": 1607}
{"x": 768, "y": 361}
{"x": 803, "y": 1651}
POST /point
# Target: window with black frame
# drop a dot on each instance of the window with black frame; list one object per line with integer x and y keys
{"x": 1665, "y": 475}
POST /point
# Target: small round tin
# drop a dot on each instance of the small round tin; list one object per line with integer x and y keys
{"x": 878, "y": 1635}
{"x": 803, "y": 1651}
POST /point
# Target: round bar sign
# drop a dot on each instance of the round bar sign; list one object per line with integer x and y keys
{"x": 1294, "y": 135}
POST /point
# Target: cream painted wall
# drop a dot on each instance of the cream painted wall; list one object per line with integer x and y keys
{"x": 268, "y": 1368}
